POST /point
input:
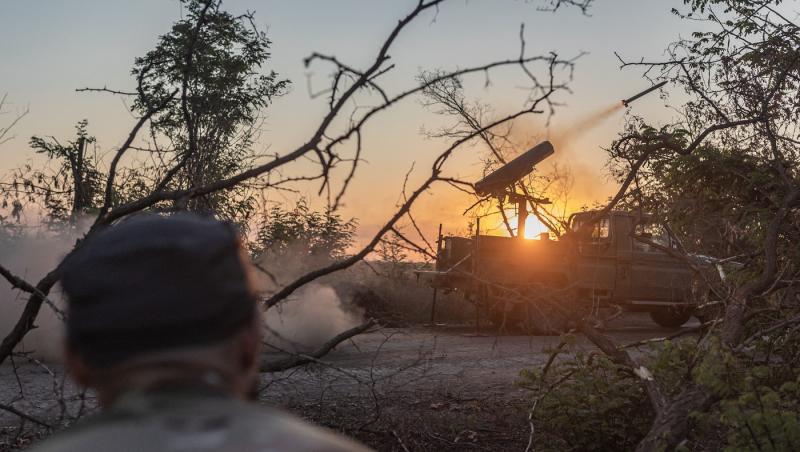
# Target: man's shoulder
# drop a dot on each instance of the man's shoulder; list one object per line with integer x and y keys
{"x": 271, "y": 426}
{"x": 213, "y": 425}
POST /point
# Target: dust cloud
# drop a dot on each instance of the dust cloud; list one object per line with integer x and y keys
{"x": 314, "y": 313}
{"x": 309, "y": 319}
{"x": 31, "y": 256}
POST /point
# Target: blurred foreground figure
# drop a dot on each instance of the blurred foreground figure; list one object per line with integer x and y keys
{"x": 164, "y": 325}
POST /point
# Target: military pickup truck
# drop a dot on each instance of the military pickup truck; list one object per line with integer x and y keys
{"x": 612, "y": 259}
{"x": 619, "y": 260}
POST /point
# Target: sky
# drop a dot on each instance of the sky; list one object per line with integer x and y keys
{"x": 51, "y": 47}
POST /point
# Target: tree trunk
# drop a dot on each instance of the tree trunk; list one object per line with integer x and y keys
{"x": 671, "y": 424}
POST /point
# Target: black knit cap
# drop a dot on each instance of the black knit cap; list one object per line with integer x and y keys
{"x": 154, "y": 283}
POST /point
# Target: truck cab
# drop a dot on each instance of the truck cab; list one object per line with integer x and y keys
{"x": 626, "y": 259}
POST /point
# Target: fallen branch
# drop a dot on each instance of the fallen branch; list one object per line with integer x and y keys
{"x": 303, "y": 358}
{"x": 766, "y": 332}
{"x": 680, "y": 333}
{"x": 25, "y": 416}
{"x": 19, "y": 283}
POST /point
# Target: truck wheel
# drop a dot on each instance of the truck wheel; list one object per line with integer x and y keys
{"x": 671, "y": 317}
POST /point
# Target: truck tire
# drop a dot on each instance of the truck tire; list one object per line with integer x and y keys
{"x": 672, "y": 316}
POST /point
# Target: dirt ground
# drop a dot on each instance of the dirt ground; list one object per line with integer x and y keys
{"x": 420, "y": 388}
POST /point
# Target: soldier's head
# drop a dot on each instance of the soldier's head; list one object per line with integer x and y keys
{"x": 157, "y": 301}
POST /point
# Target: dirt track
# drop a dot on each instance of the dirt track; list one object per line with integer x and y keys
{"x": 440, "y": 388}
{"x": 422, "y": 388}
{"x": 452, "y": 356}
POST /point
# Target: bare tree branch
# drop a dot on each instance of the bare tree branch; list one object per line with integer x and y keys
{"x": 324, "y": 349}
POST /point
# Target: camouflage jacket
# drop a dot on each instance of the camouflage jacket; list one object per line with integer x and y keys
{"x": 194, "y": 421}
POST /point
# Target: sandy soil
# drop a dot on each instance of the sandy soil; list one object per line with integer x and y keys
{"x": 421, "y": 388}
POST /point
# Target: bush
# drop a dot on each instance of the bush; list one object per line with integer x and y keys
{"x": 763, "y": 418}
{"x": 586, "y": 402}
{"x": 303, "y": 232}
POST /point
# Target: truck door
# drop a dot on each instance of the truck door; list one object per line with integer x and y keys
{"x": 656, "y": 277}
{"x": 623, "y": 226}
{"x": 595, "y": 268}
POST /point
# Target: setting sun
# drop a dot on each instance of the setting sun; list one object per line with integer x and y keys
{"x": 533, "y": 227}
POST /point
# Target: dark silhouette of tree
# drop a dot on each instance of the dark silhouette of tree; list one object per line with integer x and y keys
{"x": 216, "y": 62}
{"x": 76, "y": 178}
